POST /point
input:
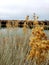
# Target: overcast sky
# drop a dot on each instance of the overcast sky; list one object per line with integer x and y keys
{"x": 18, "y": 9}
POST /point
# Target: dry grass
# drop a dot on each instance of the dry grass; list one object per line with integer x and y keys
{"x": 14, "y": 47}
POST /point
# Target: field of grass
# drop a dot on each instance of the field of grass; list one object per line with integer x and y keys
{"x": 14, "y": 46}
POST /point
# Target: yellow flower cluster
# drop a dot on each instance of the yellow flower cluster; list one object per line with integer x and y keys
{"x": 38, "y": 43}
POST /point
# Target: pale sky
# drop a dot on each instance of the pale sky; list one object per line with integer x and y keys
{"x": 18, "y": 9}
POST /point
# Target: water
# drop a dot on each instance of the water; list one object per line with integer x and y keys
{"x": 14, "y": 47}
{"x": 18, "y": 31}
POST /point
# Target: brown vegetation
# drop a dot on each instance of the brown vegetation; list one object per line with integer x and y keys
{"x": 39, "y": 44}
